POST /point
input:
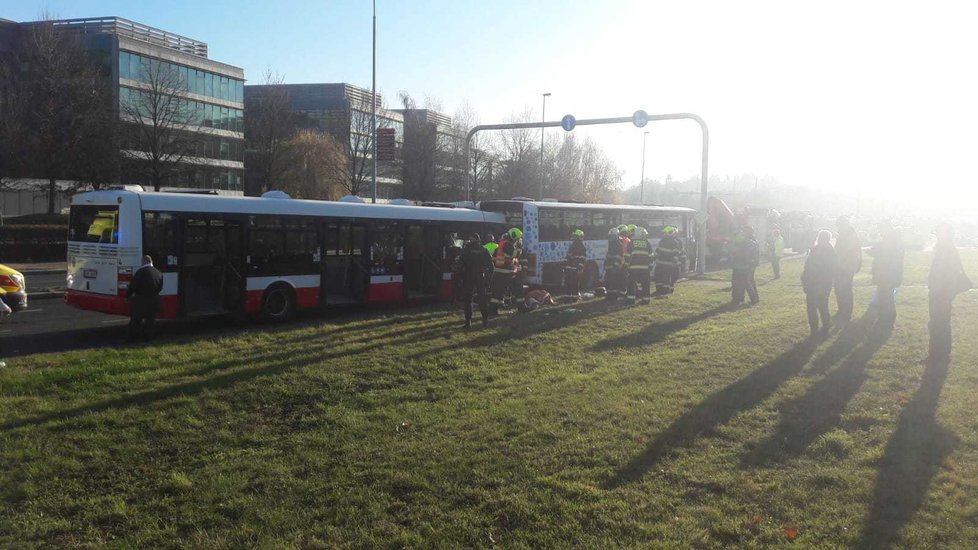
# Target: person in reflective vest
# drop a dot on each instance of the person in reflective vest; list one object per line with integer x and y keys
{"x": 614, "y": 266}
{"x": 639, "y": 266}
{"x": 574, "y": 267}
{"x": 490, "y": 244}
{"x": 670, "y": 256}
{"x": 506, "y": 268}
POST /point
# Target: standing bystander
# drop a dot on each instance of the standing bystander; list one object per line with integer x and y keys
{"x": 945, "y": 281}
{"x": 849, "y": 256}
{"x": 144, "y": 299}
{"x": 816, "y": 281}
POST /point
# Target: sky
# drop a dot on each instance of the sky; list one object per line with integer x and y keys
{"x": 854, "y": 97}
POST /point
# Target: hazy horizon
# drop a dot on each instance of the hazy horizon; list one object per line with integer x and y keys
{"x": 869, "y": 98}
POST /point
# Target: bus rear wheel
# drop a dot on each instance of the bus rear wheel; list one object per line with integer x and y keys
{"x": 278, "y": 304}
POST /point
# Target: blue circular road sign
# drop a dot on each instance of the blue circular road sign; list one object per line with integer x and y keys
{"x": 568, "y": 122}
{"x": 640, "y": 118}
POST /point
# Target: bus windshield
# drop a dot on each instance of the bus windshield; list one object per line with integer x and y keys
{"x": 94, "y": 224}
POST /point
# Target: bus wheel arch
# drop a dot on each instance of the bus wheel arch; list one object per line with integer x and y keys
{"x": 278, "y": 302}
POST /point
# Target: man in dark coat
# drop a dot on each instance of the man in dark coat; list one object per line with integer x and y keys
{"x": 816, "y": 281}
{"x": 849, "y": 257}
{"x": 946, "y": 280}
{"x": 669, "y": 258}
{"x": 574, "y": 266}
{"x": 887, "y": 271}
{"x": 744, "y": 257}
{"x": 144, "y": 299}
{"x": 475, "y": 269}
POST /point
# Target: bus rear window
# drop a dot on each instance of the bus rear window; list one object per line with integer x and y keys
{"x": 94, "y": 224}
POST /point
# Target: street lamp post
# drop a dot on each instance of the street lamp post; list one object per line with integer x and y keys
{"x": 543, "y": 118}
{"x": 641, "y": 195}
{"x": 373, "y": 108}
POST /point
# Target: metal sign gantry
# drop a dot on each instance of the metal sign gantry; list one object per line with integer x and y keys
{"x": 639, "y": 118}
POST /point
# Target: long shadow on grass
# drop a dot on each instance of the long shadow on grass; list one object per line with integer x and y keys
{"x": 820, "y": 409}
{"x": 520, "y": 326}
{"x": 273, "y": 362}
{"x": 150, "y": 396}
{"x": 717, "y": 410}
{"x": 911, "y": 459}
{"x": 657, "y": 332}
{"x": 343, "y": 319}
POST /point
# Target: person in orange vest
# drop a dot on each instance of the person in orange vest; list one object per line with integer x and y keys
{"x": 506, "y": 269}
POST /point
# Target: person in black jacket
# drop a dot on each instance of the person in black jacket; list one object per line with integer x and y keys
{"x": 849, "y": 254}
{"x": 816, "y": 280}
{"x": 945, "y": 281}
{"x": 887, "y": 272}
{"x": 144, "y": 299}
{"x": 475, "y": 269}
{"x": 574, "y": 266}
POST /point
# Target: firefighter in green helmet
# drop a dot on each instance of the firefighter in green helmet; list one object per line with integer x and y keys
{"x": 574, "y": 267}
{"x": 640, "y": 266}
{"x": 506, "y": 269}
{"x": 670, "y": 256}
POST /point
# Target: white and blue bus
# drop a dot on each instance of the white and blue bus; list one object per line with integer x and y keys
{"x": 547, "y": 227}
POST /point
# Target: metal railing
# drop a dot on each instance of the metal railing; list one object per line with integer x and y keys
{"x": 136, "y": 31}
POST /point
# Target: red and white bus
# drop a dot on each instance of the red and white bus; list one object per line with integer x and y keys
{"x": 269, "y": 256}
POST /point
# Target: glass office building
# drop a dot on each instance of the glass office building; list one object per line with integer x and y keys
{"x": 342, "y": 111}
{"x": 211, "y": 92}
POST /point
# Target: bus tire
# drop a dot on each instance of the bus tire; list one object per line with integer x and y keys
{"x": 278, "y": 303}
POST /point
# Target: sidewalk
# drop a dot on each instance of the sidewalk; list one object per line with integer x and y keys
{"x": 39, "y": 267}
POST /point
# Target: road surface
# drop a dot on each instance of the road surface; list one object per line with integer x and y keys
{"x": 48, "y": 325}
{"x": 42, "y": 282}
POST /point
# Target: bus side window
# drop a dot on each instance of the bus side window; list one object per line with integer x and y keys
{"x": 550, "y": 225}
{"x": 159, "y": 239}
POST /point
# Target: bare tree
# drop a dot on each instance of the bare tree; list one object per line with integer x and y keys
{"x": 159, "y": 120}
{"x": 359, "y": 146}
{"x": 315, "y": 168}
{"x": 56, "y": 104}
{"x": 269, "y": 127}
{"x": 518, "y": 159}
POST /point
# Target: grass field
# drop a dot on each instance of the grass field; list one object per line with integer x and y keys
{"x": 680, "y": 424}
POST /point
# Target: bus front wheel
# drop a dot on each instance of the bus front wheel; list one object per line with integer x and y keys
{"x": 278, "y": 304}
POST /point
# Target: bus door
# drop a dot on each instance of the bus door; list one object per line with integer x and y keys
{"x": 345, "y": 275}
{"x": 422, "y": 261}
{"x": 211, "y": 272}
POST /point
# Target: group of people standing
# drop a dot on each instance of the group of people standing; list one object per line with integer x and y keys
{"x": 490, "y": 275}
{"x": 831, "y": 267}
{"x": 629, "y": 263}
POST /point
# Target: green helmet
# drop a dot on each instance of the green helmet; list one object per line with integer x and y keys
{"x": 668, "y": 229}
{"x": 515, "y": 233}
{"x": 622, "y": 229}
{"x": 631, "y": 227}
{"x": 578, "y": 234}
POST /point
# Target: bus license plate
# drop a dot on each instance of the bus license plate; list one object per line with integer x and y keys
{"x": 90, "y": 273}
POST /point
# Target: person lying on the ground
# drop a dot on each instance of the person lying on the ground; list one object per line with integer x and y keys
{"x": 536, "y": 298}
